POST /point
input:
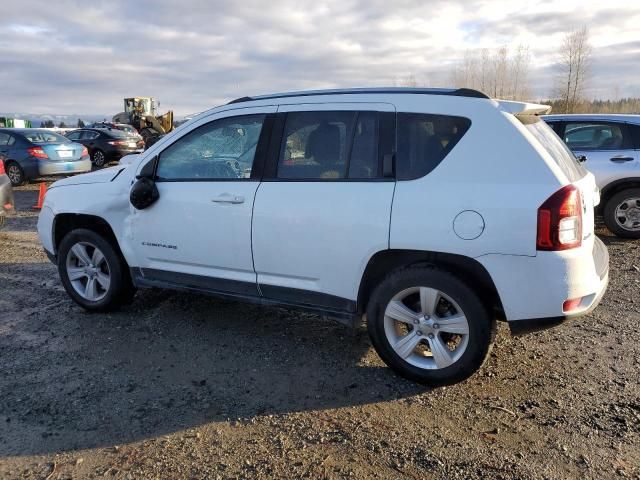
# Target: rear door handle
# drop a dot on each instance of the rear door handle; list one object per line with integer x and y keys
{"x": 226, "y": 198}
{"x": 621, "y": 158}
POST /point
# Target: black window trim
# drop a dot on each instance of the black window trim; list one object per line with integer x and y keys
{"x": 257, "y": 168}
{"x": 626, "y": 134}
{"x": 386, "y": 145}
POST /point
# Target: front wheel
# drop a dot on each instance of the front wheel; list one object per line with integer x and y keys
{"x": 429, "y": 326}
{"x": 622, "y": 213}
{"x": 92, "y": 272}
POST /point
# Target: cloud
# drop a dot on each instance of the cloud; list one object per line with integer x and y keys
{"x": 85, "y": 57}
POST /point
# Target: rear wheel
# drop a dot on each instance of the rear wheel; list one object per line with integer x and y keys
{"x": 98, "y": 158}
{"x": 92, "y": 272}
{"x": 15, "y": 173}
{"x": 622, "y": 213}
{"x": 429, "y": 326}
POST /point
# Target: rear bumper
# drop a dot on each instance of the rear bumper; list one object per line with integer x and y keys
{"x": 62, "y": 168}
{"x": 522, "y": 327}
{"x": 533, "y": 289}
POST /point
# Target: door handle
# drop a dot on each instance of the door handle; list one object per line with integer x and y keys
{"x": 226, "y": 198}
{"x": 621, "y": 158}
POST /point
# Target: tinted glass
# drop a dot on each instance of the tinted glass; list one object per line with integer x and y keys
{"x": 557, "y": 149}
{"x": 4, "y": 138}
{"x": 423, "y": 141}
{"x": 41, "y": 136}
{"x": 73, "y": 135}
{"x": 315, "y": 145}
{"x": 363, "y": 163}
{"x": 635, "y": 133}
{"x": 89, "y": 135}
{"x": 596, "y": 136}
{"x": 223, "y": 149}
{"x": 329, "y": 146}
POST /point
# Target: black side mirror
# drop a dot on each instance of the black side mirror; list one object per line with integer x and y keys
{"x": 581, "y": 158}
{"x": 144, "y": 192}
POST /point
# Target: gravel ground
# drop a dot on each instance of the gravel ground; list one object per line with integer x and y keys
{"x": 186, "y": 386}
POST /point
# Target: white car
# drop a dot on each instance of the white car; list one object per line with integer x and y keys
{"x": 430, "y": 212}
{"x": 610, "y": 147}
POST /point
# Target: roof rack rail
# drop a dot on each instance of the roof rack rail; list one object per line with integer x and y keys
{"x": 455, "y": 92}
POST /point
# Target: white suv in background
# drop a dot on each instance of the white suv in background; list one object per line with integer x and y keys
{"x": 610, "y": 147}
{"x": 429, "y": 212}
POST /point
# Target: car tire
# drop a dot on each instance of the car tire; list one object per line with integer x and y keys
{"x": 615, "y": 213}
{"x": 15, "y": 173}
{"x": 79, "y": 264}
{"x": 98, "y": 158}
{"x": 455, "y": 325}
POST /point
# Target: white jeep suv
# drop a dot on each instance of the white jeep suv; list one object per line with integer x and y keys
{"x": 430, "y": 212}
{"x": 610, "y": 147}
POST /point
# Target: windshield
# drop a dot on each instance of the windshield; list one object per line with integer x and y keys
{"x": 554, "y": 145}
{"x": 41, "y": 136}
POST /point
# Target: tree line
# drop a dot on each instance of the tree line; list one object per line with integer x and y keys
{"x": 504, "y": 73}
{"x": 51, "y": 124}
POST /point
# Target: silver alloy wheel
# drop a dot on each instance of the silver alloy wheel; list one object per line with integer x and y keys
{"x": 628, "y": 214}
{"x": 88, "y": 271}
{"x": 426, "y": 328}
{"x": 14, "y": 173}
{"x": 98, "y": 159}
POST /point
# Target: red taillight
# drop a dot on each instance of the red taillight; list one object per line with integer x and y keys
{"x": 560, "y": 220}
{"x": 2, "y": 172}
{"x": 121, "y": 143}
{"x": 37, "y": 152}
{"x": 85, "y": 152}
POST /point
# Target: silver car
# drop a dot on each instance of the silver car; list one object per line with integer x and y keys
{"x": 609, "y": 145}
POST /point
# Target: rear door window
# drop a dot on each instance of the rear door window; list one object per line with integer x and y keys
{"x": 584, "y": 136}
{"x": 329, "y": 145}
{"x": 423, "y": 142}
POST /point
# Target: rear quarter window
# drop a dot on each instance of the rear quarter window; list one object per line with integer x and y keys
{"x": 424, "y": 140}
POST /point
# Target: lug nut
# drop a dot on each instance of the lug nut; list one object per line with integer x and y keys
{"x": 418, "y": 333}
{"x": 431, "y": 336}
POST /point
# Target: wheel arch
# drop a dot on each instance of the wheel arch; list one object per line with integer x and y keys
{"x": 616, "y": 186}
{"x": 63, "y": 223}
{"x": 465, "y": 268}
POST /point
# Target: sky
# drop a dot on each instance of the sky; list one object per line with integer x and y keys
{"x": 84, "y": 57}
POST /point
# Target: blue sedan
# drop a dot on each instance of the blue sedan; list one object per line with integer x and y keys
{"x": 32, "y": 152}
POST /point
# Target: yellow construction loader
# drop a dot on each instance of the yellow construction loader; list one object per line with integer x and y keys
{"x": 140, "y": 112}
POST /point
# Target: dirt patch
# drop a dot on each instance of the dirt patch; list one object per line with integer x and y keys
{"x": 185, "y": 386}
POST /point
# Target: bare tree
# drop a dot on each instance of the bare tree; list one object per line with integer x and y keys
{"x": 519, "y": 73}
{"x": 498, "y": 73}
{"x": 575, "y": 53}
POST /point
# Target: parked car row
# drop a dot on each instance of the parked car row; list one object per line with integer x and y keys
{"x": 106, "y": 144}
{"x": 31, "y": 153}
{"x": 432, "y": 213}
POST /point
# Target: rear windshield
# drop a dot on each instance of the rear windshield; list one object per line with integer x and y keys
{"x": 554, "y": 145}
{"x": 38, "y": 136}
{"x": 117, "y": 133}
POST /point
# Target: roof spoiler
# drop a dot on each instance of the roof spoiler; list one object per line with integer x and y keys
{"x": 523, "y": 108}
